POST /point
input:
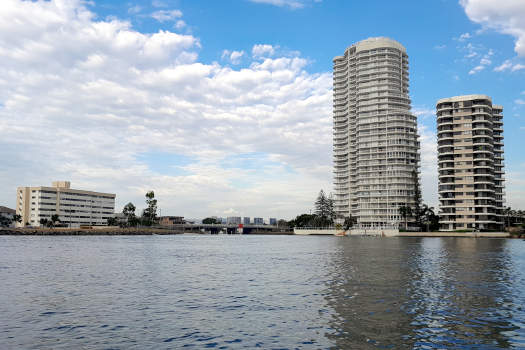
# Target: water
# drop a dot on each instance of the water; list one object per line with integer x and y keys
{"x": 227, "y": 292}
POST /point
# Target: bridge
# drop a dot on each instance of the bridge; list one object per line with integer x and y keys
{"x": 227, "y": 228}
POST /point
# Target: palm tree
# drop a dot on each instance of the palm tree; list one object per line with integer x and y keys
{"x": 405, "y": 211}
{"x": 507, "y": 212}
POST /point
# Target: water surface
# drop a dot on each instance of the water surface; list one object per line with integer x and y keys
{"x": 227, "y": 292}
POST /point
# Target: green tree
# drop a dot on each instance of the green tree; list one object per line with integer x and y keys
{"x": 417, "y": 211}
{"x": 321, "y": 205}
{"x": 330, "y": 208}
{"x": 149, "y": 215}
{"x": 507, "y": 212}
{"x": 303, "y": 220}
{"x": 44, "y": 222}
{"x": 129, "y": 213}
{"x": 54, "y": 220}
{"x": 430, "y": 219}
{"x": 350, "y": 221}
{"x": 210, "y": 221}
{"x": 17, "y": 218}
{"x": 405, "y": 211}
{"x": 112, "y": 221}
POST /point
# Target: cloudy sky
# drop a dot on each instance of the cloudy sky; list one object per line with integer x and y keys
{"x": 224, "y": 107}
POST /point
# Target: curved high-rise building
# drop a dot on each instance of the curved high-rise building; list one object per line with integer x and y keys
{"x": 376, "y": 146}
{"x": 470, "y": 161}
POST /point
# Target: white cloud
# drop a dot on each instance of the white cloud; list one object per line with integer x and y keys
{"x": 508, "y": 65}
{"x": 134, "y": 9}
{"x": 158, "y": 3}
{"x": 440, "y": 47}
{"x": 464, "y": 36}
{"x": 423, "y": 112}
{"x": 519, "y": 101}
{"x": 96, "y": 102}
{"x": 293, "y": 4}
{"x": 233, "y": 56}
{"x": 263, "y": 50}
{"x": 429, "y": 171}
{"x": 476, "y": 69}
{"x": 180, "y": 24}
{"x": 166, "y": 15}
{"x": 505, "y": 16}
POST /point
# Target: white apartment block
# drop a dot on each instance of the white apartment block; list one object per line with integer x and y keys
{"x": 376, "y": 145}
{"x": 74, "y": 207}
{"x": 470, "y": 161}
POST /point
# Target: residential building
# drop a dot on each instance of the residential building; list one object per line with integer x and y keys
{"x": 233, "y": 220}
{"x": 273, "y": 221}
{"x": 470, "y": 160}
{"x": 246, "y": 220}
{"x": 171, "y": 220}
{"x": 258, "y": 221}
{"x": 376, "y": 145}
{"x": 74, "y": 207}
{"x": 7, "y": 216}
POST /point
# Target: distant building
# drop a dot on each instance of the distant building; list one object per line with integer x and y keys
{"x": 8, "y": 214}
{"x": 74, "y": 207}
{"x": 246, "y": 220}
{"x": 258, "y": 221}
{"x": 273, "y": 221}
{"x": 470, "y": 158}
{"x": 171, "y": 220}
{"x": 233, "y": 220}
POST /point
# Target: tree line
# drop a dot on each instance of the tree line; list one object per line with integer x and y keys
{"x": 147, "y": 218}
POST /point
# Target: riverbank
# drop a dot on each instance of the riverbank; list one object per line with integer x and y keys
{"x": 86, "y": 232}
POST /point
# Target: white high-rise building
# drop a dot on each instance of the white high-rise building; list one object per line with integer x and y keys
{"x": 74, "y": 207}
{"x": 470, "y": 159}
{"x": 376, "y": 146}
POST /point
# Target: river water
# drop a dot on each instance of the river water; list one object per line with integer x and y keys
{"x": 272, "y": 292}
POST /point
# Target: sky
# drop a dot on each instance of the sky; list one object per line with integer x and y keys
{"x": 224, "y": 107}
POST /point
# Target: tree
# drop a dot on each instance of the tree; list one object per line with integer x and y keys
{"x": 210, "y": 221}
{"x": 129, "y": 213}
{"x": 149, "y": 215}
{"x": 507, "y": 212}
{"x": 303, "y": 220}
{"x": 44, "y": 222}
{"x": 330, "y": 208}
{"x": 54, "y": 220}
{"x": 350, "y": 221}
{"x": 430, "y": 219}
{"x": 418, "y": 214}
{"x": 405, "y": 211}
{"x": 17, "y": 218}
{"x": 112, "y": 221}
{"x": 321, "y": 205}
{"x": 282, "y": 223}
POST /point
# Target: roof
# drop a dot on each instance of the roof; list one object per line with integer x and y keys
{"x": 7, "y": 210}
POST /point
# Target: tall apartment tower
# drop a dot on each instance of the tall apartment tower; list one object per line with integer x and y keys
{"x": 470, "y": 160}
{"x": 376, "y": 146}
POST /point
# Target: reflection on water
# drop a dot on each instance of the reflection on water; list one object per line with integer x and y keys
{"x": 170, "y": 292}
{"x": 427, "y": 293}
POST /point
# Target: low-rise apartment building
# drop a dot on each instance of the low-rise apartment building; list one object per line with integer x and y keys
{"x": 74, "y": 207}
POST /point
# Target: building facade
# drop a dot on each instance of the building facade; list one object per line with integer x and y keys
{"x": 273, "y": 221}
{"x": 470, "y": 161}
{"x": 246, "y": 220}
{"x": 233, "y": 220}
{"x": 258, "y": 221}
{"x": 74, "y": 207}
{"x": 376, "y": 145}
{"x": 7, "y": 216}
{"x": 171, "y": 220}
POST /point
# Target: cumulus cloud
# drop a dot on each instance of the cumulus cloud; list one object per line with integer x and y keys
{"x": 505, "y": 16}
{"x": 233, "y": 56}
{"x": 519, "y": 101}
{"x": 97, "y": 102}
{"x": 263, "y": 50}
{"x": 166, "y": 15}
{"x": 180, "y": 24}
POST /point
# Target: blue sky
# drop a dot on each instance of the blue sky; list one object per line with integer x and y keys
{"x": 224, "y": 107}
